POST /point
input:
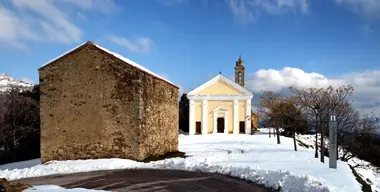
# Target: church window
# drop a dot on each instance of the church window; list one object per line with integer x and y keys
{"x": 239, "y": 76}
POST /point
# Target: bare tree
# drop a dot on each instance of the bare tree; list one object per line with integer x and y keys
{"x": 333, "y": 98}
{"x": 289, "y": 117}
{"x": 276, "y": 121}
{"x": 310, "y": 100}
{"x": 347, "y": 126}
{"x": 268, "y": 102}
{"x": 323, "y": 102}
{"x": 283, "y": 112}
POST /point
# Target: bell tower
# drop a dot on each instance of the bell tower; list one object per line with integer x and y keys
{"x": 240, "y": 72}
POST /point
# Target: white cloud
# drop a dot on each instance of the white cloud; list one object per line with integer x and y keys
{"x": 246, "y": 11}
{"x": 43, "y": 21}
{"x": 139, "y": 45}
{"x": 366, "y": 84}
{"x": 16, "y": 29}
{"x": 368, "y": 8}
{"x": 276, "y": 80}
{"x": 242, "y": 12}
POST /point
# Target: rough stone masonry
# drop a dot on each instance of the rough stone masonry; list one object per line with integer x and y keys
{"x": 95, "y": 105}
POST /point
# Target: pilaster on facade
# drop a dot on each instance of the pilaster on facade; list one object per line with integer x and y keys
{"x": 236, "y": 117}
{"x": 248, "y": 117}
{"x": 191, "y": 118}
{"x": 204, "y": 117}
{"x": 215, "y": 116}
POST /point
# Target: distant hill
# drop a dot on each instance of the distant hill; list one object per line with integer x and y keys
{"x": 7, "y": 82}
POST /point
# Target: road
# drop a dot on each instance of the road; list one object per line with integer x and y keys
{"x": 148, "y": 180}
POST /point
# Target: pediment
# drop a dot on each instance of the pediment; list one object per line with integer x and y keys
{"x": 220, "y": 85}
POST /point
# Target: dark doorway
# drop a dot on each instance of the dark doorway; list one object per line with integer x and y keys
{"x": 198, "y": 127}
{"x": 220, "y": 124}
{"x": 242, "y": 127}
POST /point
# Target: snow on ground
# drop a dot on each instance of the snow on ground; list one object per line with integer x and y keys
{"x": 21, "y": 164}
{"x": 371, "y": 176}
{"x": 367, "y": 171}
{"x": 310, "y": 140}
{"x": 252, "y": 157}
{"x": 49, "y": 188}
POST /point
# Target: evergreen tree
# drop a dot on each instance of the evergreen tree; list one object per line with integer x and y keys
{"x": 184, "y": 113}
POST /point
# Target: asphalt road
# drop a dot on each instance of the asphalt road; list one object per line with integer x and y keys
{"x": 148, "y": 180}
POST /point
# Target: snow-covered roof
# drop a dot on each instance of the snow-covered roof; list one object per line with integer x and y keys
{"x": 124, "y": 59}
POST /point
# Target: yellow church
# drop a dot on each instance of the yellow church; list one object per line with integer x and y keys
{"x": 221, "y": 105}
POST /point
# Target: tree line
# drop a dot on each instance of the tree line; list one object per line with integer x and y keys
{"x": 19, "y": 125}
{"x": 304, "y": 107}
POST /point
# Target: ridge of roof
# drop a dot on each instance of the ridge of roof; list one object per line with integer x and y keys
{"x": 122, "y": 58}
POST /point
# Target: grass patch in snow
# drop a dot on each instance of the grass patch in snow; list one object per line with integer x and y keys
{"x": 302, "y": 144}
{"x": 165, "y": 156}
{"x": 365, "y": 186}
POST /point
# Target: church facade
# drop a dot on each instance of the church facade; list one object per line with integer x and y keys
{"x": 221, "y": 105}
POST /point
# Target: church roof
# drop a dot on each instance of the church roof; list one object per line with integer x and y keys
{"x": 221, "y": 77}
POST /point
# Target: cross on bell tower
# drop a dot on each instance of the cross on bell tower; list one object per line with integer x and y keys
{"x": 240, "y": 72}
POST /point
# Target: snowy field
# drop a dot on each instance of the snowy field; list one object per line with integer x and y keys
{"x": 367, "y": 171}
{"x": 252, "y": 157}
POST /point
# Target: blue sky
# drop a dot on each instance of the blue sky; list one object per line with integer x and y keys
{"x": 283, "y": 42}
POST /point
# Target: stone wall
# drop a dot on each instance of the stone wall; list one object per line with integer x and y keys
{"x": 95, "y": 106}
{"x": 159, "y": 118}
{"x": 88, "y": 107}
